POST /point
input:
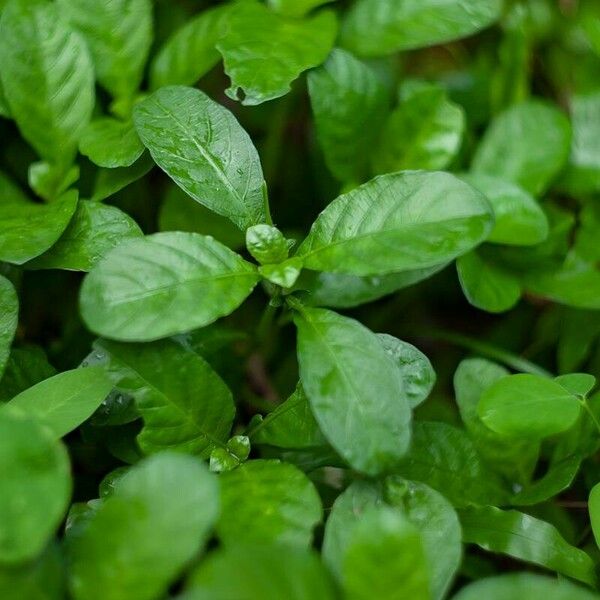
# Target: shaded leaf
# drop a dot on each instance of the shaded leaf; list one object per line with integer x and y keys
{"x": 9, "y": 318}
{"x": 110, "y": 143}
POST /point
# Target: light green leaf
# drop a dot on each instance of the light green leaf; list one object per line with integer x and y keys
{"x": 264, "y": 52}
{"x": 444, "y": 458}
{"x": 365, "y": 418}
{"x": 27, "y": 229}
{"x": 9, "y": 318}
{"x": 149, "y": 288}
{"x": 36, "y": 487}
{"x": 111, "y": 181}
{"x": 140, "y": 538}
{"x": 94, "y": 230}
{"x": 202, "y": 147}
{"x": 520, "y": 220}
{"x": 527, "y": 405}
{"x": 65, "y": 401}
{"x": 25, "y": 367}
{"x": 397, "y": 222}
{"x": 266, "y": 571}
{"x": 190, "y": 51}
{"x": 47, "y": 76}
{"x": 185, "y": 405}
{"x": 579, "y": 384}
{"x": 349, "y": 102}
{"x": 594, "y": 510}
{"x": 110, "y": 143}
{"x": 486, "y": 285}
{"x": 525, "y": 586}
{"x": 381, "y": 27}
{"x": 527, "y": 144}
{"x": 526, "y": 538}
{"x": 424, "y": 132}
{"x": 49, "y": 181}
{"x": 119, "y": 35}
{"x": 296, "y": 8}
{"x": 385, "y": 558}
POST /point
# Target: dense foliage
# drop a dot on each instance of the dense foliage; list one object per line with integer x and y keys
{"x": 299, "y": 299}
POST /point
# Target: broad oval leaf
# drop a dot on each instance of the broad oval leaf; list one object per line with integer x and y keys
{"x": 366, "y": 419}
{"x": 25, "y": 367}
{"x": 9, "y": 318}
{"x": 65, "y": 401}
{"x": 119, "y": 35}
{"x": 47, "y": 76}
{"x": 185, "y": 405}
{"x": 203, "y": 148}
{"x": 527, "y": 144}
{"x": 264, "y": 52}
{"x": 36, "y": 487}
{"x": 397, "y": 222}
{"x": 579, "y": 384}
{"x": 594, "y": 510}
{"x": 267, "y": 501}
{"x": 140, "y": 538}
{"x": 528, "y": 405}
{"x": 381, "y": 27}
{"x": 111, "y": 143}
{"x": 150, "y": 288}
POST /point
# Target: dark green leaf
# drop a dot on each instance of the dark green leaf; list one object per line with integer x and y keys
{"x": 111, "y": 143}
{"x": 25, "y": 367}
{"x": 111, "y": 181}
{"x": 9, "y": 318}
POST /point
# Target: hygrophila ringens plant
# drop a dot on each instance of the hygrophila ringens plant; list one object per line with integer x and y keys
{"x": 219, "y": 221}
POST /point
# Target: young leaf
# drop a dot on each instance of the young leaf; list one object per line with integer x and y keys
{"x": 110, "y": 143}
{"x": 527, "y": 405}
{"x": 25, "y": 367}
{"x": 385, "y": 542}
{"x": 140, "y": 538}
{"x": 267, "y": 501}
{"x": 349, "y": 101}
{"x": 65, "y": 401}
{"x": 28, "y": 229}
{"x": 190, "y": 51}
{"x": 36, "y": 487}
{"x": 397, "y": 222}
{"x": 381, "y": 27}
{"x": 520, "y": 221}
{"x": 202, "y": 147}
{"x": 94, "y": 230}
{"x": 525, "y": 538}
{"x": 119, "y": 35}
{"x": 47, "y": 76}
{"x": 264, "y": 52}
{"x": 366, "y": 419}
{"x": 149, "y": 288}
{"x": 185, "y": 405}
{"x": 266, "y": 571}
{"x": 527, "y": 144}
{"x": 9, "y": 318}
{"x": 579, "y": 384}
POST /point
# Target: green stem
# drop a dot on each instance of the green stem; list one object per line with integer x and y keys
{"x": 266, "y": 322}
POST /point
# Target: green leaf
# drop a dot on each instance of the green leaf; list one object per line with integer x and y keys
{"x": 25, "y": 367}
{"x": 65, "y": 401}
{"x": 527, "y": 144}
{"x": 111, "y": 181}
{"x": 444, "y": 458}
{"x": 381, "y": 27}
{"x": 296, "y": 8}
{"x": 36, "y": 487}
{"x": 202, "y": 147}
{"x": 416, "y": 371}
{"x": 486, "y": 285}
{"x": 579, "y": 384}
{"x": 119, "y": 35}
{"x": 366, "y": 419}
{"x": 140, "y": 538}
{"x": 185, "y": 405}
{"x": 264, "y": 52}
{"x": 110, "y": 143}
{"x": 267, "y": 501}
{"x": 527, "y": 405}
{"x": 424, "y": 132}
{"x": 266, "y": 571}
{"x": 525, "y": 538}
{"x": 190, "y": 52}
{"x": 49, "y": 181}
{"x": 525, "y": 586}
{"x": 349, "y": 101}
{"x": 385, "y": 558}
{"x": 426, "y": 218}
{"x": 47, "y": 76}
{"x": 94, "y": 230}
{"x": 149, "y": 288}
{"x": 520, "y": 221}
{"x": 594, "y": 510}
{"x": 28, "y": 229}
{"x": 9, "y": 318}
